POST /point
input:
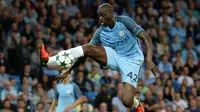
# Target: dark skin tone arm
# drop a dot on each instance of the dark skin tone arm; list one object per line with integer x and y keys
{"x": 148, "y": 43}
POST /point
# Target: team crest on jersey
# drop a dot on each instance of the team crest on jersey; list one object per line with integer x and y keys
{"x": 68, "y": 91}
{"x": 121, "y": 33}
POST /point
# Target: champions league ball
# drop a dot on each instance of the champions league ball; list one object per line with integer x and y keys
{"x": 64, "y": 59}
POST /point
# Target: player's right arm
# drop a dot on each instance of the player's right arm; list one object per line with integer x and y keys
{"x": 78, "y": 97}
{"x": 96, "y": 37}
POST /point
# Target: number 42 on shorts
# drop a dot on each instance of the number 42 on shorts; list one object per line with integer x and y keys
{"x": 132, "y": 76}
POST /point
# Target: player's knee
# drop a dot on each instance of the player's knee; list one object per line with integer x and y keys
{"x": 128, "y": 94}
{"x": 88, "y": 49}
{"x": 127, "y": 102}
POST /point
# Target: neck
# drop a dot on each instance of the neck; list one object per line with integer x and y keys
{"x": 112, "y": 23}
{"x": 66, "y": 81}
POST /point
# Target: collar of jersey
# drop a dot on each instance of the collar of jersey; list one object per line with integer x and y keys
{"x": 108, "y": 29}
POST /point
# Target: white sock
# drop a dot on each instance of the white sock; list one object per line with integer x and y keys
{"x": 77, "y": 52}
{"x": 52, "y": 61}
{"x": 136, "y": 103}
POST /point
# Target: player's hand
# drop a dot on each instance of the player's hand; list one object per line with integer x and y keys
{"x": 151, "y": 66}
{"x": 68, "y": 109}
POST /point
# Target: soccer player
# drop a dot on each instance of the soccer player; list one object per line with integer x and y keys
{"x": 115, "y": 45}
{"x": 68, "y": 96}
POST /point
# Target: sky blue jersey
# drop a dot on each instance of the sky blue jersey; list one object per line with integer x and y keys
{"x": 122, "y": 38}
{"x": 67, "y": 95}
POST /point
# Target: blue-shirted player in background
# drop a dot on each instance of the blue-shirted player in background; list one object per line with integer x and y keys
{"x": 115, "y": 45}
{"x": 68, "y": 97}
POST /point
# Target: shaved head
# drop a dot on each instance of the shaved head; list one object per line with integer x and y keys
{"x": 106, "y": 6}
{"x": 105, "y": 13}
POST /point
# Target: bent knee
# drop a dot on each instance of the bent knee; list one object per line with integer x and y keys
{"x": 88, "y": 49}
{"x": 92, "y": 51}
{"x": 128, "y": 95}
{"x": 127, "y": 102}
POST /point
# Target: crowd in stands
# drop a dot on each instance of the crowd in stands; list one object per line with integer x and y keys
{"x": 173, "y": 25}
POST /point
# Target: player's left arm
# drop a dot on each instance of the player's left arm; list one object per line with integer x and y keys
{"x": 78, "y": 96}
{"x": 143, "y": 35}
{"x": 78, "y": 102}
{"x": 148, "y": 43}
{"x": 140, "y": 33}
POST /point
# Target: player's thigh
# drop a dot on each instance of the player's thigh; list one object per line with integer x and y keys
{"x": 103, "y": 55}
{"x": 112, "y": 59}
{"x": 97, "y": 53}
{"x": 129, "y": 72}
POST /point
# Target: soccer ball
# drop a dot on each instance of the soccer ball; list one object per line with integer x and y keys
{"x": 64, "y": 59}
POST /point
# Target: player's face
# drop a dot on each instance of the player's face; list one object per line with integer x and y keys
{"x": 105, "y": 15}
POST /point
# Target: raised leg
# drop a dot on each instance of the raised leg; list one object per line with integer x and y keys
{"x": 95, "y": 52}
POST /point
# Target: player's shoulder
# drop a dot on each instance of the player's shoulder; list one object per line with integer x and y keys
{"x": 100, "y": 28}
{"x": 73, "y": 83}
{"x": 123, "y": 19}
{"x": 58, "y": 86}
